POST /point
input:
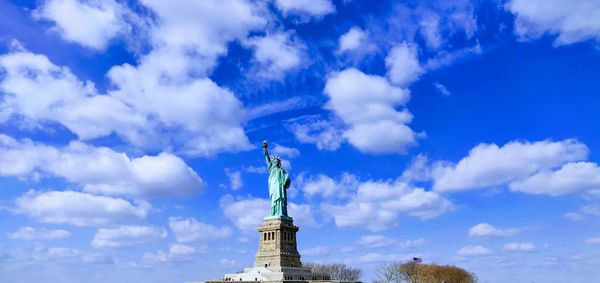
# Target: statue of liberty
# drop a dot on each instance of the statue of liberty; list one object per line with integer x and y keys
{"x": 279, "y": 182}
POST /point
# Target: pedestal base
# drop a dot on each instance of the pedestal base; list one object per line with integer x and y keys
{"x": 277, "y": 244}
{"x": 275, "y": 274}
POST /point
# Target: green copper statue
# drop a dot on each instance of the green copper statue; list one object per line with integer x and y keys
{"x": 279, "y": 182}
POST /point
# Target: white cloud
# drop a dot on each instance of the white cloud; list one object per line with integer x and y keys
{"x": 380, "y": 241}
{"x": 38, "y": 91}
{"x": 179, "y": 249}
{"x": 285, "y": 151}
{"x": 326, "y": 186}
{"x": 276, "y": 54}
{"x": 127, "y": 235}
{"x": 445, "y": 58}
{"x": 438, "y": 21}
{"x": 487, "y": 230}
{"x": 376, "y": 241}
{"x": 584, "y": 212}
{"x": 352, "y": 40}
{"x": 570, "y": 178}
{"x": 247, "y": 214}
{"x": 429, "y": 26}
{"x": 79, "y": 209}
{"x": 169, "y": 83}
{"x": 571, "y": 21}
{"x": 59, "y": 252}
{"x": 190, "y": 229}
{"x": 235, "y": 179}
{"x": 388, "y": 257}
{"x": 41, "y": 91}
{"x": 302, "y": 214}
{"x": 593, "y": 241}
{"x": 90, "y": 23}
{"x": 490, "y": 165}
{"x": 376, "y": 205}
{"x": 442, "y": 89}
{"x": 100, "y": 169}
{"x": 164, "y": 101}
{"x": 367, "y": 105}
{"x": 418, "y": 169}
{"x": 176, "y": 252}
{"x": 227, "y": 262}
{"x": 573, "y": 216}
{"x": 324, "y": 134}
{"x": 30, "y": 233}
{"x": 195, "y": 128}
{"x": 203, "y": 26}
{"x": 403, "y": 64}
{"x": 315, "y": 8}
{"x": 255, "y": 169}
{"x": 316, "y": 251}
{"x": 474, "y": 251}
{"x": 519, "y": 247}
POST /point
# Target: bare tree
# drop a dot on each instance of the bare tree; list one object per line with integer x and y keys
{"x": 337, "y": 271}
{"x": 413, "y": 272}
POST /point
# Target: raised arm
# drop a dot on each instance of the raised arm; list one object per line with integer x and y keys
{"x": 266, "y": 152}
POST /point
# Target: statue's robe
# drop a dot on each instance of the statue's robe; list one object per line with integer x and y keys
{"x": 279, "y": 181}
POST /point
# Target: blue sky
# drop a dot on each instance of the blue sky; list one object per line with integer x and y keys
{"x": 464, "y": 133}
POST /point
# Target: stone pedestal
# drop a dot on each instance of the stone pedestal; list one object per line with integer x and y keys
{"x": 277, "y": 244}
{"x": 277, "y": 259}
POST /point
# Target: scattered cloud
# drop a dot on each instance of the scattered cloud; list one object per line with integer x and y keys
{"x": 519, "y": 247}
{"x": 179, "y": 249}
{"x": 324, "y": 186}
{"x": 511, "y": 162}
{"x": 387, "y": 257}
{"x": 571, "y": 178}
{"x": 227, "y": 262}
{"x": 100, "y": 169}
{"x": 590, "y": 210}
{"x": 31, "y": 234}
{"x": 79, "y": 209}
{"x": 440, "y": 20}
{"x": 316, "y": 251}
{"x": 285, "y": 151}
{"x": 303, "y": 214}
{"x": 380, "y": 241}
{"x": 316, "y": 8}
{"x": 442, "y": 89}
{"x": 593, "y": 241}
{"x": 40, "y": 92}
{"x": 276, "y": 54}
{"x": 255, "y": 169}
{"x": 90, "y": 23}
{"x": 487, "y": 230}
{"x": 570, "y": 21}
{"x": 366, "y": 104}
{"x": 235, "y": 179}
{"x": 354, "y": 40}
{"x": 403, "y": 64}
{"x": 189, "y": 229}
{"x": 326, "y": 135}
{"x": 127, "y": 235}
{"x": 376, "y": 205}
{"x": 176, "y": 252}
{"x": 417, "y": 170}
{"x": 248, "y": 213}
{"x": 477, "y": 250}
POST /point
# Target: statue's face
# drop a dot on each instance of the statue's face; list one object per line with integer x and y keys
{"x": 277, "y": 162}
